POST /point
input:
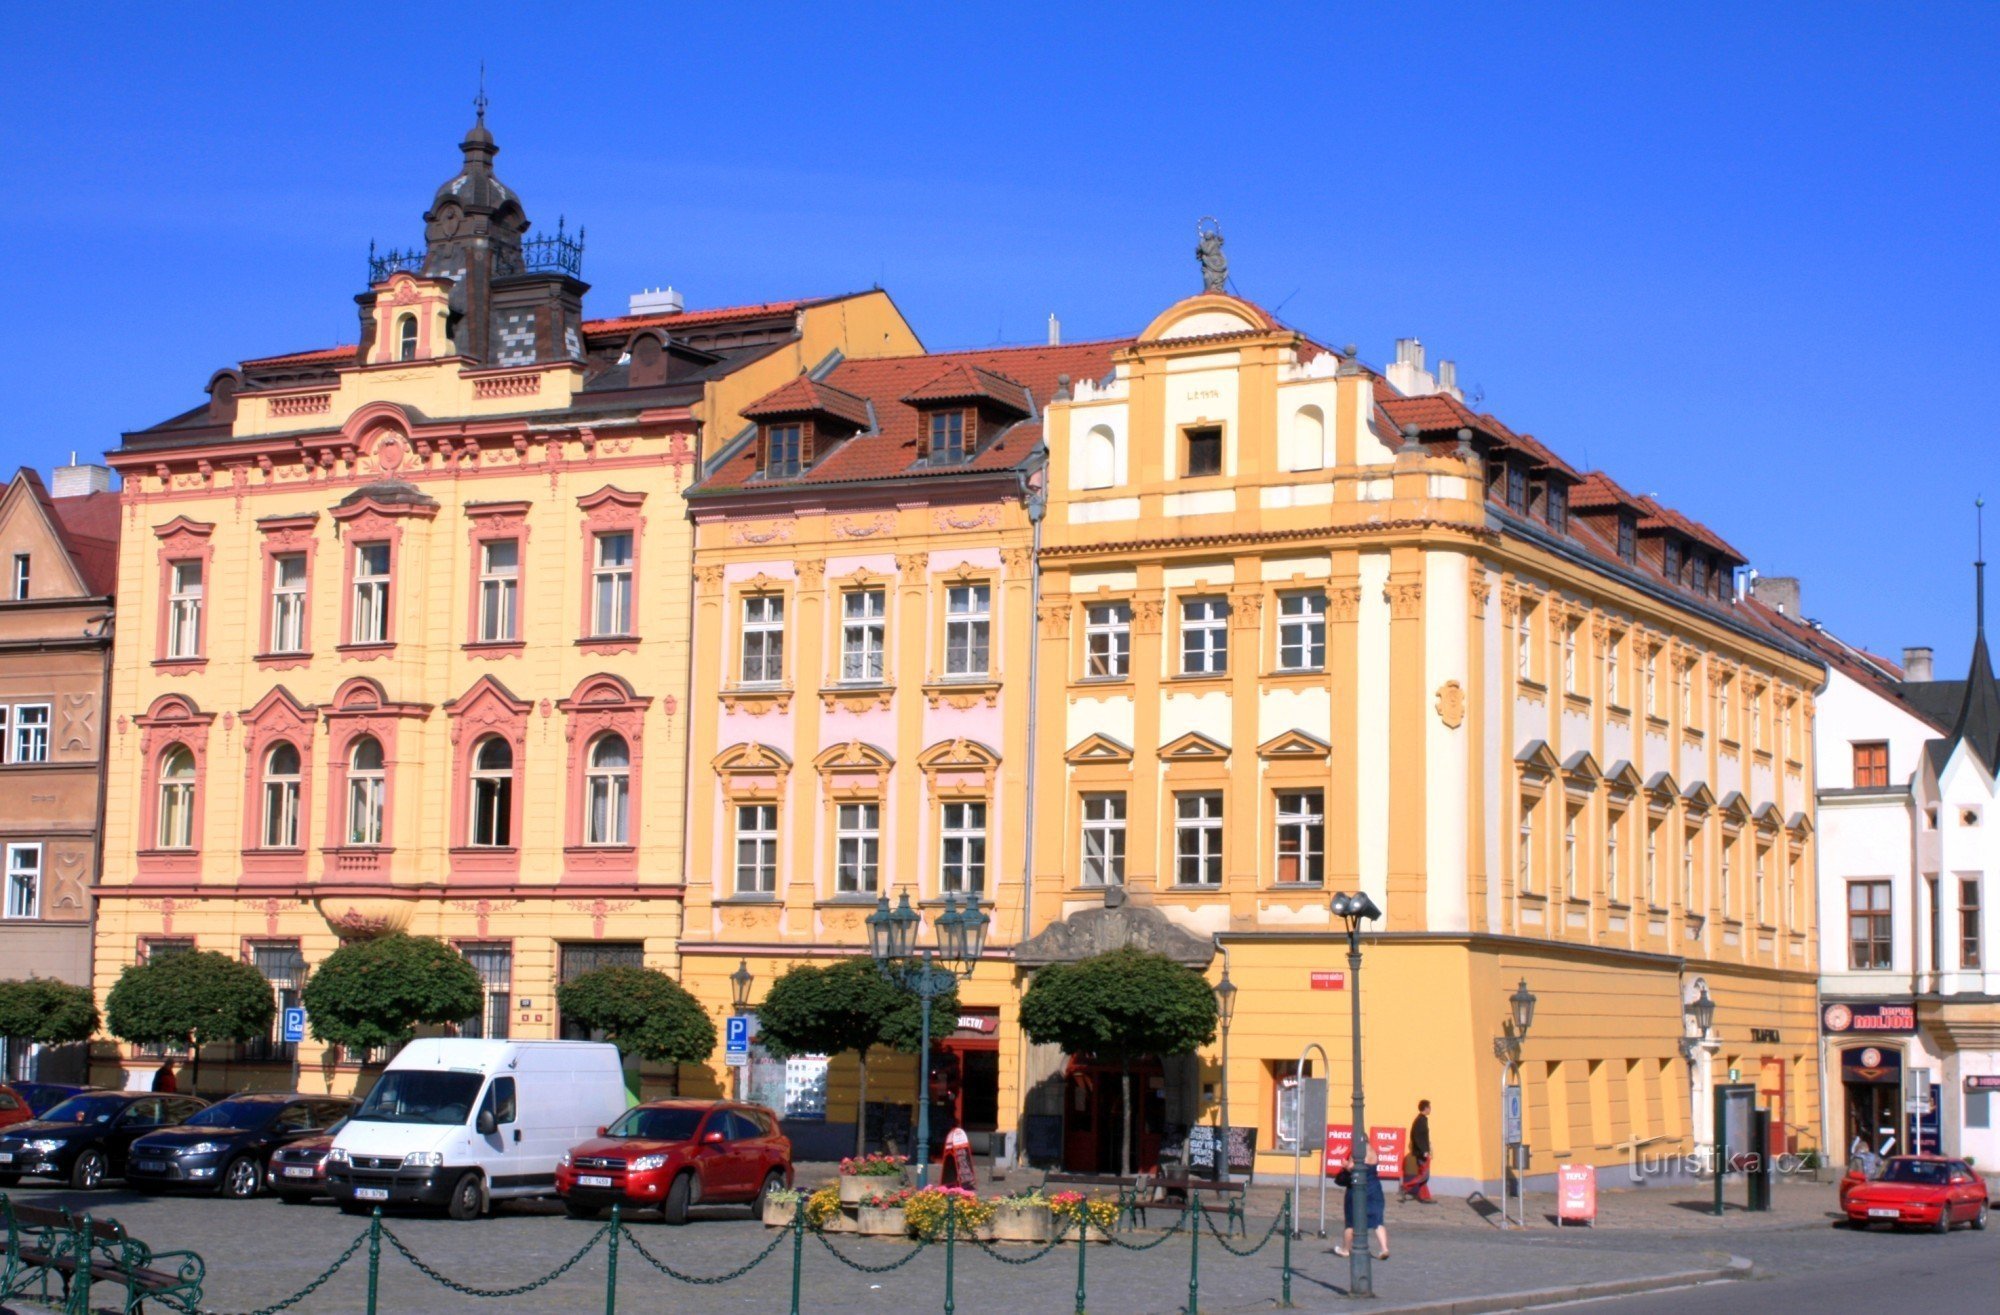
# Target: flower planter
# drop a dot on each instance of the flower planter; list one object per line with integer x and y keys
{"x": 880, "y": 1221}
{"x": 780, "y": 1214}
{"x": 1021, "y": 1223}
{"x": 858, "y": 1187}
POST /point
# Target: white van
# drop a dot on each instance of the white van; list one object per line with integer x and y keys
{"x": 460, "y": 1122}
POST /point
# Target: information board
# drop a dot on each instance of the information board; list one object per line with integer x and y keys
{"x": 1201, "y": 1148}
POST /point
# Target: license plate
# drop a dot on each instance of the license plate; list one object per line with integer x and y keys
{"x": 592, "y": 1180}
{"x": 298, "y": 1171}
{"x": 6, "y": 1157}
{"x": 149, "y": 1166}
{"x": 1884, "y": 1212}
{"x": 371, "y": 1193}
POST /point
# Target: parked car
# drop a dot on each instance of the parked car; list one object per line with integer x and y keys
{"x": 1932, "y": 1190}
{"x": 85, "y": 1139}
{"x": 297, "y": 1171}
{"x": 673, "y": 1154}
{"x": 223, "y": 1148}
{"x": 45, "y": 1096}
{"x": 14, "y": 1108}
{"x": 462, "y": 1122}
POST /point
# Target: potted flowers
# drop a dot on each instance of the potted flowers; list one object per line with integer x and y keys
{"x": 823, "y": 1212}
{"x": 926, "y": 1210}
{"x": 1093, "y": 1217}
{"x": 863, "y": 1176}
{"x": 881, "y": 1214}
{"x": 1023, "y": 1217}
{"x": 781, "y": 1204}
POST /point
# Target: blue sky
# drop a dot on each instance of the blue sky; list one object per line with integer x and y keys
{"x": 1741, "y": 257}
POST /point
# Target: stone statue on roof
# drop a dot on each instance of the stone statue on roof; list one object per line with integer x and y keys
{"x": 1208, "y": 250}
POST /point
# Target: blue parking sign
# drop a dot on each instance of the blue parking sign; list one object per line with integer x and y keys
{"x": 294, "y": 1024}
{"x": 736, "y": 1040}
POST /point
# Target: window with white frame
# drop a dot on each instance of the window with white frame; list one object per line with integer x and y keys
{"x": 1759, "y": 867}
{"x": 367, "y": 791}
{"x": 968, "y": 628}
{"x": 1572, "y": 673}
{"x": 1653, "y": 684}
{"x": 756, "y": 849}
{"x": 499, "y": 591}
{"x": 1571, "y": 817}
{"x": 288, "y": 602}
{"x": 1204, "y": 636}
{"x": 281, "y": 796}
{"x": 184, "y": 599}
{"x": 857, "y": 847}
{"x": 1107, "y": 641}
{"x": 864, "y": 635}
{"x": 1727, "y": 876}
{"x": 1302, "y": 630}
{"x": 607, "y": 806}
{"x": 1104, "y": 840}
{"x": 23, "y": 576}
{"x": 1614, "y": 674}
{"x": 492, "y": 824}
{"x": 962, "y": 848}
{"x": 176, "y": 805}
{"x": 1524, "y": 845}
{"x": 27, "y": 733}
{"x": 1687, "y": 698}
{"x": 1792, "y": 890}
{"x": 1301, "y": 840}
{"x": 1198, "y": 838}
{"x": 1653, "y": 864}
{"x": 1614, "y": 822}
{"x": 1687, "y": 871}
{"x": 24, "y": 881}
{"x": 371, "y": 594}
{"x": 611, "y": 584}
{"x": 763, "y": 639}
{"x": 495, "y": 966}
{"x": 1524, "y": 645}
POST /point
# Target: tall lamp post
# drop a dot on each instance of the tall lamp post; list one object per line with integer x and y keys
{"x": 1225, "y": 1008}
{"x": 928, "y": 972}
{"x": 739, "y": 996}
{"x": 1700, "y": 1015}
{"x": 1353, "y": 910}
{"x": 1507, "y": 1049}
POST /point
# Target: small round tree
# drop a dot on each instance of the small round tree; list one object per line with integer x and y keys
{"x": 191, "y": 999}
{"x": 377, "y": 992}
{"x": 46, "y": 1012}
{"x": 645, "y": 1013}
{"x": 846, "y": 1005}
{"x": 1125, "y": 1005}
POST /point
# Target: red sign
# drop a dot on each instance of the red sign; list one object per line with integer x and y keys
{"x": 1892, "y": 1018}
{"x": 1576, "y": 1194}
{"x": 1329, "y": 981}
{"x": 1982, "y": 1082}
{"x": 1388, "y": 1148}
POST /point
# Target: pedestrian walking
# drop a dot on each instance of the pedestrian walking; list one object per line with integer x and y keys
{"x": 163, "y": 1077}
{"x": 1417, "y": 1161}
{"x": 1363, "y": 1178}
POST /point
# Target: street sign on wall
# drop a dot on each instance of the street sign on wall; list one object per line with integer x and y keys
{"x": 294, "y": 1025}
{"x": 736, "y": 1040}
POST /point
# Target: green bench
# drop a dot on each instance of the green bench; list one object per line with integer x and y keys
{"x": 1224, "y": 1197}
{"x": 1130, "y": 1208}
{"x": 51, "y": 1247}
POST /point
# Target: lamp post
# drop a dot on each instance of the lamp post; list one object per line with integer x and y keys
{"x": 1353, "y": 910}
{"x": 1225, "y": 1008}
{"x": 1507, "y": 1049}
{"x": 739, "y": 998}
{"x": 892, "y": 941}
{"x": 1700, "y": 1014}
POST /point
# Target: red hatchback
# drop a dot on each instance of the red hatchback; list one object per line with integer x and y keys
{"x": 13, "y": 1107}
{"x": 1930, "y": 1190}
{"x": 674, "y": 1154}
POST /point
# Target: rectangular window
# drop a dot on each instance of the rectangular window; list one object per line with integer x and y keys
{"x": 1104, "y": 840}
{"x": 184, "y": 610}
{"x": 1572, "y": 669}
{"x": 495, "y": 966}
{"x": 962, "y": 850}
{"x": 1792, "y": 891}
{"x": 968, "y": 626}
{"x": 1653, "y": 684}
{"x": 1728, "y": 878}
{"x": 1968, "y": 922}
{"x": 782, "y": 446}
{"x": 756, "y": 849}
{"x": 23, "y": 575}
{"x": 1302, "y": 631}
{"x": 288, "y": 603}
{"x": 574, "y": 961}
{"x": 1205, "y": 636}
{"x": 1570, "y": 818}
{"x": 1871, "y": 765}
{"x": 1613, "y": 824}
{"x": 863, "y": 634}
{"x": 763, "y": 639}
{"x": 1614, "y": 670}
{"x": 1203, "y": 446}
{"x": 1301, "y": 846}
{"x": 1936, "y": 924}
{"x": 1524, "y": 642}
{"x": 1868, "y": 925}
{"x": 1978, "y": 1109}
{"x": 1628, "y": 538}
{"x": 28, "y": 736}
{"x": 1517, "y": 489}
{"x": 1107, "y": 641}
{"x": 499, "y": 591}
{"x": 947, "y": 438}
{"x": 371, "y": 593}
{"x": 1688, "y": 904}
{"x": 857, "y": 848}
{"x": 1198, "y": 839}
{"x": 1700, "y": 562}
{"x": 284, "y": 967}
{"x": 1672, "y": 560}
{"x": 1653, "y": 865}
{"x": 24, "y": 881}
{"x": 1557, "y": 507}
{"x": 1524, "y": 847}
{"x": 611, "y": 585}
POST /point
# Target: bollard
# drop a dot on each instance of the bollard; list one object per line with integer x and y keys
{"x": 798, "y": 1250}
{"x": 1285, "y": 1297}
{"x": 81, "y": 1295}
{"x": 1193, "y": 1213}
{"x": 1082, "y": 1258}
{"x": 374, "y": 1255}
{"x": 950, "y": 1240}
{"x": 611, "y": 1269}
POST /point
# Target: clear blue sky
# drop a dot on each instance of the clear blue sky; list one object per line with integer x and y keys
{"x": 1742, "y": 257}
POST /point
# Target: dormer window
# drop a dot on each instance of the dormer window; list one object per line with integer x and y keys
{"x": 947, "y": 438}
{"x": 1672, "y": 565}
{"x": 1517, "y": 489}
{"x": 782, "y": 447}
{"x": 1628, "y": 538}
{"x": 1700, "y": 574}
{"x": 1557, "y": 507}
{"x": 406, "y": 338}
{"x": 1203, "y": 449}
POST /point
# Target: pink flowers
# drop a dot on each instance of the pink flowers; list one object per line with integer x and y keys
{"x": 873, "y": 1165}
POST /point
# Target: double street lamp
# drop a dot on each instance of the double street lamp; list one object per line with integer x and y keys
{"x": 1507, "y": 1049}
{"x": 927, "y": 971}
{"x": 1225, "y": 1009}
{"x": 1354, "y": 910}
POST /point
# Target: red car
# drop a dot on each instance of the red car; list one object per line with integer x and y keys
{"x": 13, "y": 1107}
{"x": 1931, "y": 1190}
{"x": 673, "y": 1154}
{"x": 297, "y": 1171}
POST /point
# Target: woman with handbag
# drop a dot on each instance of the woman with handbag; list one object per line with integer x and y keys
{"x": 1363, "y": 1178}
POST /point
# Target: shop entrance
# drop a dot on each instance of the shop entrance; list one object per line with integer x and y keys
{"x": 965, "y": 1081}
{"x": 1094, "y": 1115}
{"x": 1771, "y": 1091}
{"x": 1871, "y": 1080}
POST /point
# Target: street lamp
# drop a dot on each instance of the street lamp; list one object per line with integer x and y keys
{"x": 1354, "y": 910}
{"x": 928, "y": 972}
{"x": 739, "y": 996}
{"x": 1507, "y": 1049}
{"x": 1225, "y": 1008}
{"x": 1700, "y": 1014}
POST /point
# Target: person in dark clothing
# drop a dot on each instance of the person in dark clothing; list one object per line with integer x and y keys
{"x": 1417, "y": 1160}
{"x": 163, "y": 1077}
{"x": 1366, "y": 1179}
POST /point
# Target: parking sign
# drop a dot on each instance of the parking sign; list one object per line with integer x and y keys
{"x": 294, "y": 1024}
{"x": 736, "y": 1040}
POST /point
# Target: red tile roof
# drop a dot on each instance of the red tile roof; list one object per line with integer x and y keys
{"x": 965, "y": 382}
{"x": 90, "y": 524}
{"x": 322, "y": 355}
{"x": 621, "y": 325}
{"x": 1599, "y": 491}
{"x": 807, "y": 396}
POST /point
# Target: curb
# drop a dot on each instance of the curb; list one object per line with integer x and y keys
{"x": 1739, "y": 1267}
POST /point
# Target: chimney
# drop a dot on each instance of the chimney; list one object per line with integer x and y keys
{"x": 75, "y": 480}
{"x": 1780, "y": 593}
{"x": 1408, "y": 375}
{"x": 1917, "y": 664}
{"x": 1448, "y": 379}
{"x": 656, "y": 301}
{"x": 1055, "y": 330}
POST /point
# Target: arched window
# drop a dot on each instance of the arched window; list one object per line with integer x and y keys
{"x": 608, "y": 793}
{"x": 1305, "y": 445}
{"x": 406, "y": 338}
{"x": 1100, "y": 458}
{"x": 281, "y": 797}
{"x": 492, "y": 794}
{"x": 367, "y": 789}
{"x": 177, "y": 799}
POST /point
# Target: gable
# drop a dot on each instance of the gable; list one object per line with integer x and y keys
{"x": 1195, "y": 747}
{"x": 1294, "y": 744}
{"x": 27, "y": 525}
{"x": 1099, "y": 749}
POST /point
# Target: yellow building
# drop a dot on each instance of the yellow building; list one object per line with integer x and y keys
{"x": 406, "y": 640}
{"x": 1305, "y": 628}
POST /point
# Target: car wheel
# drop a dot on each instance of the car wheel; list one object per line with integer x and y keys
{"x": 88, "y": 1173}
{"x": 465, "y": 1200}
{"x": 578, "y": 1210}
{"x": 679, "y": 1197}
{"x": 242, "y": 1179}
{"x": 772, "y": 1182}
{"x": 1979, "y": 1220}
{"x": 1943, "y": 1224}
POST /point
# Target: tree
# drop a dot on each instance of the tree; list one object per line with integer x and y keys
{"x": 46, "y": 1012}
{"x": 645, "y": 1013}
{"x": 1127, "y": 1004}
{"x": 377, "y": 992}
{"x": 190, "y": 999}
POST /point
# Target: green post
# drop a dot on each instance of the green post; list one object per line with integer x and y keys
{"x": 1193, "y": 1216}
{"x": 798, "y": 1250}
{"x": 1285, "y": 1298}
{"x": 950, "y": 1241}
{"x": 374, "y": 1255}
{"x": 81, "y": 1295}
{"x": 1082, "y": 1259}
{"x": 611, "y": 1269}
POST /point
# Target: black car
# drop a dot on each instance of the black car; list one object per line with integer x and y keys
{"x": 45, "y": 1096}
{"x": 85, "y": 1139}
{"x": 224, "y": 1147}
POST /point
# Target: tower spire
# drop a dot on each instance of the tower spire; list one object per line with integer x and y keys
{"x": 1979, "y": 564}
{"x": 479, "y": 101}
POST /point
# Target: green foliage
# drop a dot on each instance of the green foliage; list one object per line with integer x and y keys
{"x": 814, "y": 1010}
{"x": 47, "y": 1012}
{"x": 1123, "y": 1005}
{"x": 642, "y": 1011}
{"x": 190, "y": 999}
{"x": 376, "y": 992}
{"x": 903, "y": 1029}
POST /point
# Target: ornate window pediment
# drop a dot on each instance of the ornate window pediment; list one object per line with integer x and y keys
{"x": 1623, "y": 780}
{"x": 959, "y": 767}
{"x": 1697, "y": 795}
{"x": 1099, "y": 749}
{"x": 854, "y": 768}
{"x": 1194, "y": 747}
{"x": 1293, "y": 744}
{"x": 1537, "y": 762}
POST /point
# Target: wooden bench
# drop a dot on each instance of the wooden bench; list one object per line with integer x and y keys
{"x": 1224, "y": 1197}
{"x": 1130, "y": 1207}
{"x": 45, "y": 1246}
